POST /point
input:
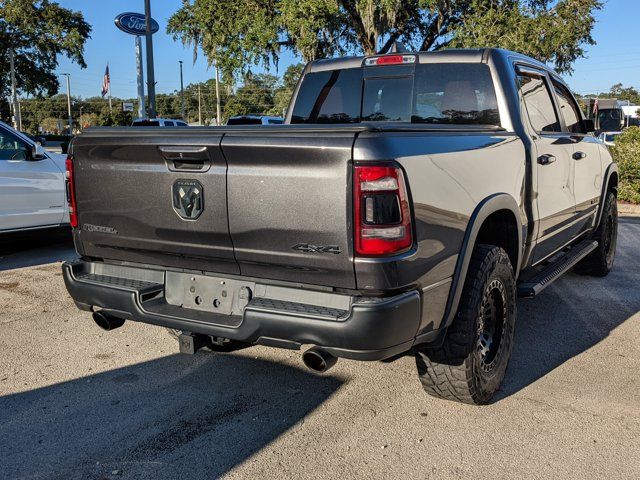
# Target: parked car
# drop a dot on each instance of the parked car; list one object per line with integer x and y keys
{"x": 609, "y": 138}
{"x": 36, "y": 138}
{"x": 408, "y": 202}
{"x": 255, "y": 120}
{"x": 32, "y": 184}
{"x": 158, "y": 122}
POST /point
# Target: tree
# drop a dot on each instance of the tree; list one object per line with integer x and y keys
{"x": 283, "y": 94}
{"x": 207, "y": 100}
{"x": 36, "y": 110}
{"x": 87, "y": 120}
{"x": 552, "y": 32}
{"x": 51, "y": 124}
{"x": 621, "y": 92}
{"x": 237, "y": 34}
{"x": 38, "y": 32}
{"x": 255, "y": 96}
{"x": 626, "y": 153}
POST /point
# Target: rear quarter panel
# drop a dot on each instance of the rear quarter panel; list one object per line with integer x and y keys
{"x": 448, "y": 174}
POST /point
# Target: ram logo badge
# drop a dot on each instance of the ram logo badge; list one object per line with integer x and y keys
{"x": 308, "y": 248}
{"x": 188, "y": 199}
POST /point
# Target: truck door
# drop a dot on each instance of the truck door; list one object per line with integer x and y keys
{"x": 553, "y": 167}
{"x": 587, "y": 177}
{"x": 31, "y": 191}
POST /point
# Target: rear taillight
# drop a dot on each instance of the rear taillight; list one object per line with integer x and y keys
{"x": 71, "y": 193}
{"x": 382, "y": 215}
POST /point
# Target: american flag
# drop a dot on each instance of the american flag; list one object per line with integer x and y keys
{"x": 595, "y": 106}
{"x": 106, "y": 81}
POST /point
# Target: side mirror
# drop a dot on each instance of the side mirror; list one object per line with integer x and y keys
{"x": 38, "y": 152}
{"x": 589, "y": 125}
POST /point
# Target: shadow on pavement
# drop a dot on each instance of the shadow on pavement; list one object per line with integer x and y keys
{"x": 175, "y": 417}
{"x": 574, "y": 314}
{"x": 37, "y": 247}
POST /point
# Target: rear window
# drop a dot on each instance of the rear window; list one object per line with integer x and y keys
{"x": 244, "y": 121}
{"x": 449, "y": 93}
{"x": 146, "y": 123}
{"x": 332, "y": 96}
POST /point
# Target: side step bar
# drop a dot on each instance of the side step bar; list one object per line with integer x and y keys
{"x": 535, "y": 284}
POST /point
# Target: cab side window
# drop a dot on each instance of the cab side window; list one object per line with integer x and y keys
{"x": 539, "y": 103}
{"x": 12, "y": 147}
{"x": 569, "y": 109}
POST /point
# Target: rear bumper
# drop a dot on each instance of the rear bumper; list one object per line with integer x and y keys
{"x": 372, "y": 328}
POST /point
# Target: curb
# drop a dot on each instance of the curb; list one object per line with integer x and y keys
{"x": 628, "y": 210}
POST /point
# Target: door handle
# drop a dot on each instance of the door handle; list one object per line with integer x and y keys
{"x": 186, "y": 157}
{"x": 579, "y": 155}
{"x": 546, "y": 159}
{"x": 184, "y": 152}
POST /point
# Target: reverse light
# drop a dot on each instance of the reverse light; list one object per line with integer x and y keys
{"x": 71, "y": 193}
{"x": 390, "y": 60}
{"x": 382, "y": 216}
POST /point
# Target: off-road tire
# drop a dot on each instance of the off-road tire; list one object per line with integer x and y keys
{"x": 464, "y": 368}
{"x": 600, "y": 262}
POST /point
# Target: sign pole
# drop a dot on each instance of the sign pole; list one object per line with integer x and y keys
{"x": 151, "y": 81}
{"x": 140, "y": 71}
{"x": 138, "y": 24}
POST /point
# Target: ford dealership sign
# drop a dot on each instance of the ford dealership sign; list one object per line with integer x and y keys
{"x": 134, "y": 23}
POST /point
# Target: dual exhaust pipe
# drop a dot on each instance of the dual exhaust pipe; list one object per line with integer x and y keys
{"x": 316, "y": 358}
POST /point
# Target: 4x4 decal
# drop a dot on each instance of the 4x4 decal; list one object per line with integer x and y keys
{"x": 306, "y": 247}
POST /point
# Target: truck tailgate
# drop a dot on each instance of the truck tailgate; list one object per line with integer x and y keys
{"x": 290, "y": 204}
{"x": 125, "y": 188}
{"x": 266, "y": 202}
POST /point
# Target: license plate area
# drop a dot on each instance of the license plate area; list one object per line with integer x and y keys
{"x": 208, "y": 294}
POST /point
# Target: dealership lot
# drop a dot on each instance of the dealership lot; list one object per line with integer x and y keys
{"x": 77, "y": 402}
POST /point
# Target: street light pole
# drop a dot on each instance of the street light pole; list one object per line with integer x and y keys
{"x": 199, "y": 107}
{"x": 151, "y": 81}
{"x": 218, "y": 115}
{"x": 181, "y": 89}
{"x": 15, "y": 104}
{"x": 68, "y": 75}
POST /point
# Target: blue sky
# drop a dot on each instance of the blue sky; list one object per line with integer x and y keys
{"x": 615, "y": 58}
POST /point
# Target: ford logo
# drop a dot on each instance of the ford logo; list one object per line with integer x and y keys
{"x": 135, "y": 23}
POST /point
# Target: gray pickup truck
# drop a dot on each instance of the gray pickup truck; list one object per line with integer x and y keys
{"x": 406, "y": 202}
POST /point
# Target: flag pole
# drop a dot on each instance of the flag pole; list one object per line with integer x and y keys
{"x": 109, "y": 91}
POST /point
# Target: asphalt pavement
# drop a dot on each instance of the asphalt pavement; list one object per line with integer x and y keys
{"x": 80, "y": 403}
